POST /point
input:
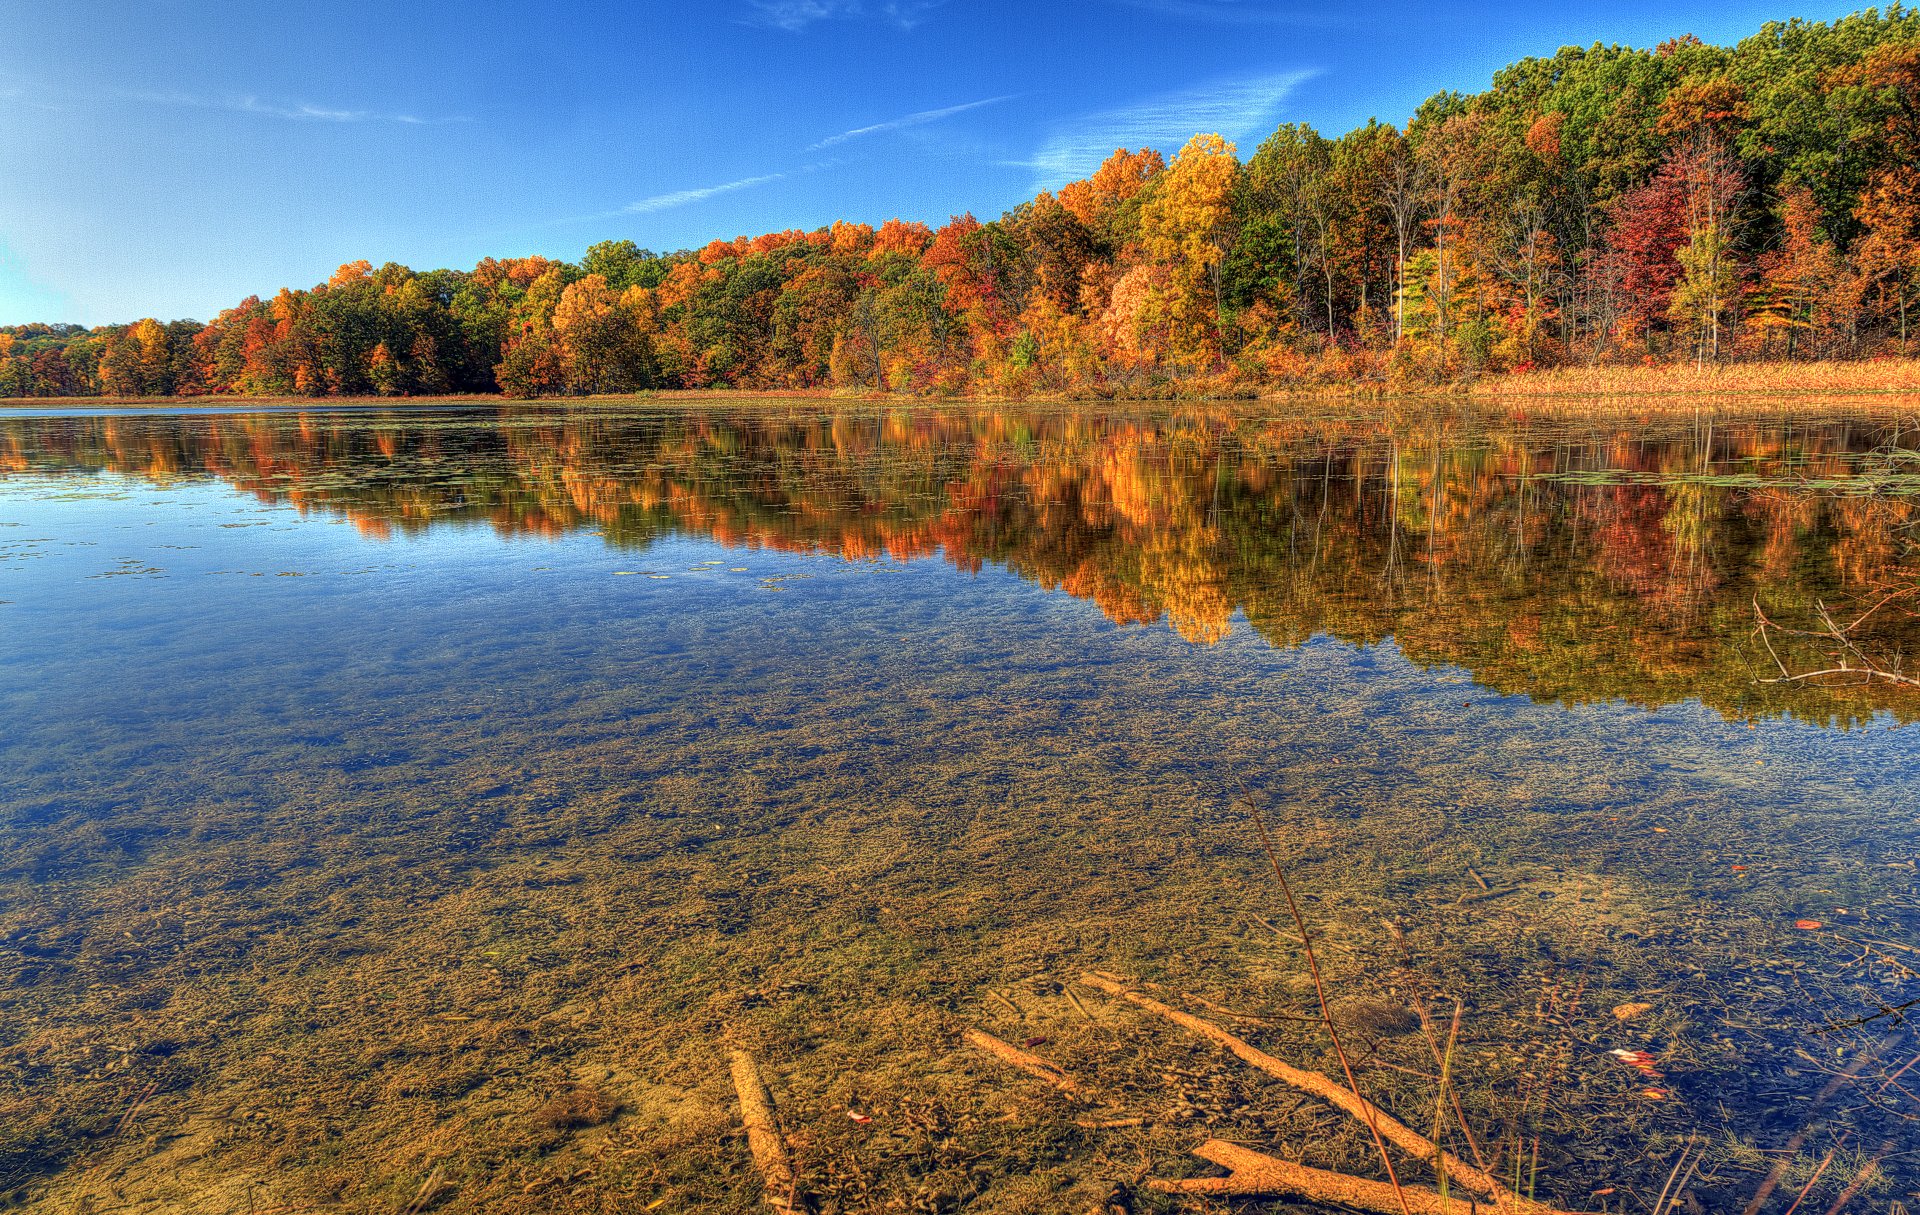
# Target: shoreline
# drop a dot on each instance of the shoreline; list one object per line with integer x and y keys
{"x": 1875, "y": 380}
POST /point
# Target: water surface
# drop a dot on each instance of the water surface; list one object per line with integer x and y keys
{"x": 370, "y": 778}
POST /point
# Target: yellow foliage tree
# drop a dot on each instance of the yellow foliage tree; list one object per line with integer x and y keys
{"x": 1187, "y": 227}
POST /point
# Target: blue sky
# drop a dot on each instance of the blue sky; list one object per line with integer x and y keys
{"x": 170, "y": 157}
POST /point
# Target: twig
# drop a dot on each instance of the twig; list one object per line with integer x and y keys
{"x": 1659, "y": 1204}
{"x": 1682, "y": 1187}
{"x": 1902, "y": 593}
{"x": 1320, "y": 992}
{"x": 1808, "y": 1188}
{"x": 1903, "y": 1071}
{"x": 1889, "y": 959}
{"x": 1868, "y": 670}
{"x": 1030, "y": 1063}
{"x": 1893, "y": 1010}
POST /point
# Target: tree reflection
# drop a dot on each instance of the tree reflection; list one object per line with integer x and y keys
{"x": 1574, "y": 561}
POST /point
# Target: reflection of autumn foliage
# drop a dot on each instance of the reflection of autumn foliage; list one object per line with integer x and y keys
{"x": 1635, "y": 551}
{"x": 1480, "y": 545}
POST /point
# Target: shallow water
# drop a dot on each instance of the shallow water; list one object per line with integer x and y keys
{"x": 369, "y": 778}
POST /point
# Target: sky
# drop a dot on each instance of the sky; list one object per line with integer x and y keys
{"x": 170, "y": 157}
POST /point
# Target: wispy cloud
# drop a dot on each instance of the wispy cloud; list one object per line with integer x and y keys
{"x": 796, "y": 15}
{"x": 685, "y": 198}
{"x": 292, "y": 111}
{"x": 680, "y": 198}
{"x": 1237, "y": 109}
{"x": 315, "y": 113}
{"x": 921, "y": 118}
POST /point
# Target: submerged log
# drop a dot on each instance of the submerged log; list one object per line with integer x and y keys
{"x": 763, "y": 1135}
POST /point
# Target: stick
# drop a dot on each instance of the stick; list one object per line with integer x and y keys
{"x": 1256, "y": 1174}
{"x": 1808, "y": 1188}
{"x": 126, "y": 1119}
{"x": 1659, "y": 1204}
{"x": 1868, "y": 670}
{"x": 1320, "y": 994}
{"x": 1772, "y": 1179}
{"x": 1029, "y": 1063}
{"x": 428, "y": 1189}
{"x": 1860, "y": 1178}
{"x": 763, "y": 1133}
{"x": 1394, "y": 1131}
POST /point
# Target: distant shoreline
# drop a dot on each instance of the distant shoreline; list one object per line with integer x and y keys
{"x": 1876, "y": 380}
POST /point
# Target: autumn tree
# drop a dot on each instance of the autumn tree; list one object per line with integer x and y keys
{"x": 1709, "y": 282}
{"x": 1807, "y": 299}
{"x": 1186, "y": 226}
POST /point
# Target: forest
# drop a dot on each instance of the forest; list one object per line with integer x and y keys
{"x": 1605, "y": 206}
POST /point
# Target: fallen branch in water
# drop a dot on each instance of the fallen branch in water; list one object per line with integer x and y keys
{"x": 1256, "y": 1174}
{"x": 1030, "y": 1063}
{"x": 769, "y": 1150}
{"x": 1853, "y": 661}
{"x": 1264, "y": 1170}
{"x": 1391, "y": 1129}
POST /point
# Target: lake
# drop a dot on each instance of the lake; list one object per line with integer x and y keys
{"x": 412, "y": 809}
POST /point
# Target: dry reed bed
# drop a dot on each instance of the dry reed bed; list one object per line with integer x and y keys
{"x": 1843, "y": 380}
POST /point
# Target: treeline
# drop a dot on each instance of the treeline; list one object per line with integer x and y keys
{"x": 1604, "y": 205}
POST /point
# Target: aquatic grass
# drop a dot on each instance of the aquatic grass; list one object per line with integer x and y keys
{"x": 837, "y": 821}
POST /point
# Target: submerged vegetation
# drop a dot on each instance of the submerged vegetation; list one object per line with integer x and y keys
{"x": 1602, "y": 207}
{"x": 658, "y": 809}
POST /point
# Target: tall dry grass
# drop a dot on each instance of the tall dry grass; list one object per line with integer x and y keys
{"x": 1889, "y": 375}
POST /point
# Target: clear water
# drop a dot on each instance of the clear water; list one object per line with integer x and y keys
{"x": 369, "y": 779}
